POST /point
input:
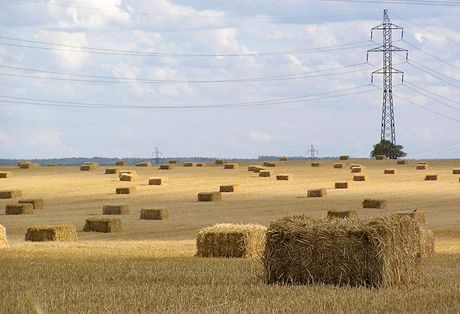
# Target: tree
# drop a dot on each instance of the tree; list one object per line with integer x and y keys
{"x": 388, "y": 149}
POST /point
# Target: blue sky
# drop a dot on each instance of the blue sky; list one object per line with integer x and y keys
{"x": 335, "y": 125}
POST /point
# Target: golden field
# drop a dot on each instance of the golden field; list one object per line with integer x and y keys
{"x": 150, "y": 266}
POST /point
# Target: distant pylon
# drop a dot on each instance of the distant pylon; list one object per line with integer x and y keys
{"x": 388, "y": 121}
{"x": 157, "y": 155}
{"x": 312, "y": 151}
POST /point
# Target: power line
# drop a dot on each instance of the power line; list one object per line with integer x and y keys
{"x": 124, "y": 80}
{"x": 424, "y": 70}
{"x": 412, "y": 85}
{"x": 404, "y": 2}
{"x": 105, "y": 51}
{"x": 431, "y": 55}
{"x": 280, "y": 101}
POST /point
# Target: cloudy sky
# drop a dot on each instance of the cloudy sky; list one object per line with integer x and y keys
{"x": 117, "y": 78}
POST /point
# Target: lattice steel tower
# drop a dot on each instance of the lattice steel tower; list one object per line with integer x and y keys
{"x": 387, "y": 49}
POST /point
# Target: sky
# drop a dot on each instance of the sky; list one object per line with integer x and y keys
{"x": 117, "y": 78}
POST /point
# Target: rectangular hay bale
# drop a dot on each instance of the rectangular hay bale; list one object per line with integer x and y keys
{"x": 154, "y": 214}
{"x": 231, "y": 166}
{"x": 265, "y": 173}
{"x": 229, "y": 188}
{"x": 126, "y": 190}
{"x": 283, "y": 158}
{"x": 128, "y": 177}
{"x": 401, "y": 162}
{"x": 315, "y": 164}
{"x": 166, "y": 166}
{"x": 454, "y": 171}
{"x": 431, "y": 177}
{"x": 19, "y": 209}
{"x": 27, "y": 165}
{"x": 344, "y": 157}
{"x": 341, "y": 185}
{"x": 143, "y": 164}
{"x": 189, "y": 164}
{"x": 357, "y": 169}
{"x": 338, "y": 166}
{"x": 115, "y": 209}
{"x": 102, "y": 224}
{"x": 37, "y": 203}
{"x": 121, "y": 163}
{"x": 283, "y": 177}
{"x": 209, "y": 196}
{"x": 111, "y": 171}
{"x": 10, "y": 194}
{"x": 200, "y": 165}
{"x": 374, "y": 203}
{"x": 389, "y": 171}
{"x": 173, "y": 162}
{"x": 87, "y": 167}
{"x": 41, "y": 233}
{"x": 158, "y": 181}
{"x": 5, "y": 174}
{"x": 269, "y": 164}
{"x": 231, "y": 241}
{"x": 359, "y": 177}
{"x": 219, "y": 162}
{"x": 317, "y": 193}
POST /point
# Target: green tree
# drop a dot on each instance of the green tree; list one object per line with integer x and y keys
{"x": 388, "y": 149}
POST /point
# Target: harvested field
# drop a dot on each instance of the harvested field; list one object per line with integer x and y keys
{"x": 102, "y": 224}
{"x": 154, "y": 214}
{"x": 43, "y": 233}
{"x": 115, "y": 209}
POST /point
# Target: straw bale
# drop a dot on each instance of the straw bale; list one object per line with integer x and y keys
{"x": 317, "y": 193}
{"x": 231, "y": 166}
{"x": 51, "y": 165}
{"x": 228, "y": 188}
{"x": 341, "y": 185}
{"x": 252, "y": 168}
{"x": 284, "y": 177}
{"x": 158, "y": 181}
{"x": 37, "y": 203}
{"x": 414, "y": 214}
{"x": 283, "y": 158}
{"x": 420, "y": 167}
{"x": 87, "y": 167}
{"x": 427, "y": 242}
{"x": 128, "y": 177}
{"x": 258, "y": 169}
{"x": 355, "y": 165}
{"x": 166, "y": 166}
{"x": 126, "y": 190}
{"x": 3, "y": 238}
{"x": 401, "y": 162}
{"x": 269, "y": 164}
{"x": 265, "y": 173}
{"x": 115, "y": 209}
{"x": 27, "y": 165}
{"x": 111, "y": 171}
{"x": 338, "y": 166}
{"x": 10, "y": 194}
{"x": 154, "y": 214}
{"x": 121, "y": 163}
{"x": 19, "y": 209}
{"x": 102, "y": 224}
{"x": 431, "y": 177}
{"x": 359, "y": 177}
{"x": 5, "y": 174}
{"x": 454, "y": 171}
{"x": 389, "y": 171}
{"x": 344, "y": 157}
{"x": 143, "y": 164}
{"x": 342, "y": 214}
{"x": 173, "y": 162}
{"x": 374, "y": 203}
{"x": 315, "y": 164}
{"x": 380, "y": 157}
{"x": 219, "y": 162}
{"x": 381, "y": 252}
{"x": 41, "y": 233}
{"x": 122, "y": 172}
{"x": 200, "y": 164}
{"x": 209, "y": 196}
{"x": 231, "y": 240}
{"x": 189, "y": 164}
{"x": 357, "y": 169}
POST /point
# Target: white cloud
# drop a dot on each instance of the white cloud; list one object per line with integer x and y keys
{"x": 257, "y": 136}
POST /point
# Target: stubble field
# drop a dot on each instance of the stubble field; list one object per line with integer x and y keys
{"x": 150, "y": 266}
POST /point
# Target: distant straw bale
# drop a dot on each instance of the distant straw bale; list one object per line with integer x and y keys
{"x": 88, "y": 167}
{"x": 90, "y": 163}
{"x": 252, "y": 168}
{"x": 102, "y": 224}
{"x": 158, "y": 181}
{"x": 231, "y": 241}
{"x": 166, "y": 166}
{"x": 173, "y": 162}
{"x": 338, "y": 166}
{"x": 389, "y": 171}
{"x": 258, "y": 169}
{"x": 342, "y": 214}
{"x": 219, "y": 162}
{"x": 265, "y": 173}
{"x": 121, "y": 163}
{"x": 126, "y": 190}
{"x": 420, "y": 167}
{"x": 209, "y": 196}
{"x": 284, "y": 177}
{"x": 200, "y": 165}
{"x": 269, "y": 164}
{"x": 27, "y": 165}
{"x": 401, "y": 162}
{"x": 37, "y": 203}
{"x": 122, "y": 172}
{"x": 231, "y": 166}
{"x": 357, "y": 169}
{"x": 359, "y": 177}
{"x": 3, "y": 238}
{"x": 283, "y": 158}
{"x": 380, "y": 157}
{"x": 344, "y": 157}
{"x": 10, "y": 194}
{"x": 5, "y": 174}
{"x": 41, "y": 233}
{"x": 381, "y": 252}
{"x": 189, "y": 164}
{"x": 454, "y": 171}
{"x": 111, "y": 171}
{"x": 341, "y": 185}
{"x": 115, "y": 209}
{"x": 374, "y": 203}
{"x": 19, "y": 209}
{"x": 431, "y": 177}
{"x": 229, "y": 188}
{"x": 128, "y": 177}
{"x": 143, "y": 164}
{"x": 154, "y": 214}
{"x": 317, "y": 193}
{"x": 315, "y": 164}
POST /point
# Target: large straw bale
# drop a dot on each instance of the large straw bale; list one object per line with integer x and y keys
{"x": 121, "y": 163}
{"x": 414, "y": 214}
{"x": 380, "y": 157}
{"x": 338, "y": 166}
{"x": 389, "y": 171}
{"x": 102, "y": 224}
{"x": 283, "y": 158}
{"x": 3, "y": 238}
{"x": 284, "y": 177}
{"x": 381, "y": 252}
{"x": 166, "y": 166}
{"x": 317, "y": 193}
{"x": 431, "y": 177}
{"x": 228, "y": 188}
{"x": 269, "y": 164}
{"x": 154, "y": 214}
{"x": 342, "y": 213}
{"x": 401, "y": 162}
{"x": 37, "y": 203}
{"x": 357, "y": 169}
{"x": 315, "y": 164}
{"x": 209, "y": 196}
{"x": 115, "y": 209}
{"x": 231, "y": 240}
{"x": 126, "y": 190}
{"x": 341, "y": 185}
{"x": 374, "y": 203}
{"x": 111, "y": 171}
{"x": 231, "y": 166}
{"x": 454, "y": 171}
{"x": 219, "y": 162}
{"x": 344, "y": 157}
{"x": 19, "y": 209}
{"x": 5, "y": 174}
{"x": 359, "y": 177}
{"x": 189, "y": 164}
{"x": 143, "y": 164}
{"x": 266, "y": 173}
{"x": 10, "y": 194}
{"x": 128, "y": 177}
{"x": 158, "y": 181}
{"x": 40, "y": 233}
